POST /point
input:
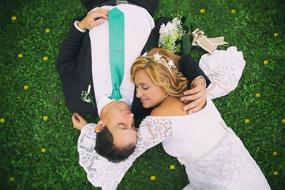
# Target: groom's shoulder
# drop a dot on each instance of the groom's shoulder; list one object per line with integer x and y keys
{"x": 161, "y": 20}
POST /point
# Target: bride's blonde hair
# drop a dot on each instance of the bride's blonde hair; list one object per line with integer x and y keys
{"x": 161, "y": 72}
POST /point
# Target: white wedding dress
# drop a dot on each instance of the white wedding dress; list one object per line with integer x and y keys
{"x": 213, "y": 156}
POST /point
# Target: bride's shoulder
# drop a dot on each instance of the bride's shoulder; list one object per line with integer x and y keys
{"x": 170, "y": 107}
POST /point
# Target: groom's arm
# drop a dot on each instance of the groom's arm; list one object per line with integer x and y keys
{"x": 74, "y": 59}
{"x": 69, "y": 50}
{"x": 191, "y": 70}
{"x": 68, "y": 61}
{"x": 71, "y": 46}
{"x": 152, "y": 41}
{"x": 195, "y": 97}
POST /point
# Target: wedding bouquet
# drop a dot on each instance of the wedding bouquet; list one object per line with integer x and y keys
{"x": 175, "y": 39}
{"x": 170, "y": 34}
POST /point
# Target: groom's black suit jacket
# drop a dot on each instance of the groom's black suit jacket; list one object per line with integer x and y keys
{"x": 75, "y": 70}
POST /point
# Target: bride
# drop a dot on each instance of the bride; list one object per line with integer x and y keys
{"x": 213, "y": 156}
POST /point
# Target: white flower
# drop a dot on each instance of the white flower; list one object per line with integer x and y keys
{"x": 169, "y": 34}
{"x": 162, "y": 29}
{"x": 157, "y": 57}
{"x": 86, "y": 96}
{"x": 171, "y": 63}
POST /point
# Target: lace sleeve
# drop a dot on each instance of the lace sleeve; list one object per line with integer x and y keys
{"x": 107, "y": 175}
{"x": 152, "y": 131}
{"x": 100, "y": 172}
{"x": 224, "y": 69}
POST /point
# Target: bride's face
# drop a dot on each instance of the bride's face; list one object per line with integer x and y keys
{"x": 149, "y": 93}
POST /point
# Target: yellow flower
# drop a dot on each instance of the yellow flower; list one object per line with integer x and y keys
{"x": 172, "y": 167}
{"x": 43, "y": 150}
{"x": 26, "y": 87}
{"x": 153, "y": 178}
{"x": 247, "y": 120}
{"x": 257, "y": 94}
{"x": 13, "y": 18}
{"x": 265, "y": 62}
{"x": 275, "y": 153}
{"x": 233, "y": 11}
{"x": 276, "y": 34}
{"x": 47, "y": 30}
{"x": 276, "y": 173}
{"x": 45, "y": 58}
{"x": 2, "y": 120}
{"x": 20, "y": 55}
{"x": 283, "y": 121}
{"x": 202, "y": 11}
{"x": 11, "y": 179}
{"x": 45, "y": 118}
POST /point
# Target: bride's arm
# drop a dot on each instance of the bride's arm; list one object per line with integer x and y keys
{"x": 152, "y": 131}
{"x": 102, "y": 173}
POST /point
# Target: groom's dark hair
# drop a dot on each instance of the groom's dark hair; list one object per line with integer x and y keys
{"x": 106, "y": 148}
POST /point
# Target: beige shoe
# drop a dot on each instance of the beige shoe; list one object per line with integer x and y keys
{"x": 208, "y": 44}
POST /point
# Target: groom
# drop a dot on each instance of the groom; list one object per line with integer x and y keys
{"x": 84, "y": 61}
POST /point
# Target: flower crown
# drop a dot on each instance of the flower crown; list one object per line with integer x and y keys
{"x": 158, "y": 58}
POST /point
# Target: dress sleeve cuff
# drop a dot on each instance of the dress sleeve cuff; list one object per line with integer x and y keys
{"x": 205, "y": 83}
{"x": 76, "y": 26}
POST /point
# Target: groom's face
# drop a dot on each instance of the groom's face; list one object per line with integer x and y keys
{"x": 120, "y": 122}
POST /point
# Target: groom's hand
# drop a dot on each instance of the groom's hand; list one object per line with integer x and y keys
{"x": 78, "y": 121}
{"x": 195, "y": 98}
{"x": 94, "y": 18}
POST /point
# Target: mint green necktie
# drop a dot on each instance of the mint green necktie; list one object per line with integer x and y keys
{"x": 116, "y": 50}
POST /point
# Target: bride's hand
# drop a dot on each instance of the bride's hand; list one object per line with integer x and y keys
{"x": 78, "y": 121}
{"x": 195, "y": 98}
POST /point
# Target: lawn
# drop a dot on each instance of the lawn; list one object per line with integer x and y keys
{"x": 37, "y": 143}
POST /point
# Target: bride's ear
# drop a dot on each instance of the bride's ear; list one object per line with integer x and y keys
{"x": 99, "y": 127}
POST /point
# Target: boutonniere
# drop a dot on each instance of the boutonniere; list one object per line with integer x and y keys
{"x": 170, "y": 34}
{"x": 86, "y": 96}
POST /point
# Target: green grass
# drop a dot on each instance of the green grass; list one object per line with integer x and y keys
{"x": 24, "y": 133}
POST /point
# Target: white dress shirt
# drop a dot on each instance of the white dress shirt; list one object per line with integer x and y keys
{"x": 138, "y": 25}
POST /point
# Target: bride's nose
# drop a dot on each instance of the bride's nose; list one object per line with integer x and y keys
{"x": 138, "y": 93}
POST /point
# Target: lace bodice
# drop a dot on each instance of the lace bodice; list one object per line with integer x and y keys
{"x": 105, "y": 174}
{"x": 200, "y": 131}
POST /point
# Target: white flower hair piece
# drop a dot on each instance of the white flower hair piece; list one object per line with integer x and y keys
{"x": 157, "y": 57}
{"x": 170, "y": 64}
